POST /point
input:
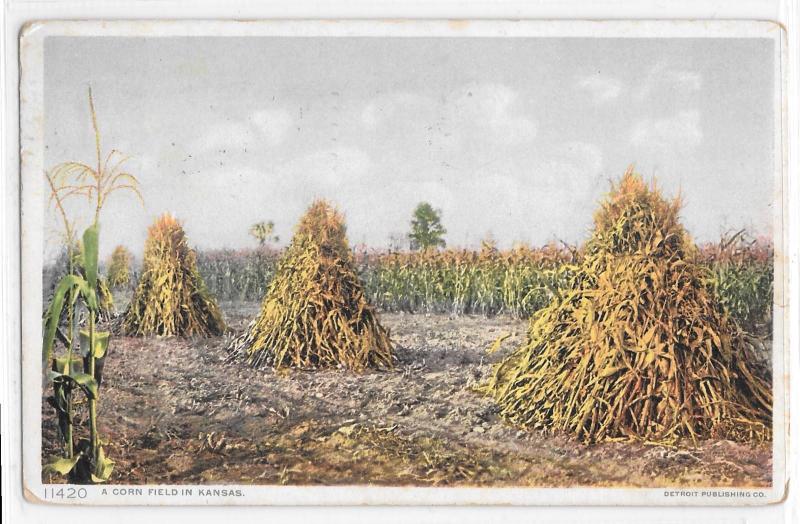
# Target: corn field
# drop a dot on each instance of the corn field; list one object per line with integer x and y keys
{"x": 516, "y": 282}
{"x": 742, "y": 276}
{"x": 242, "y": 274}
{"x": 487, "y": 282}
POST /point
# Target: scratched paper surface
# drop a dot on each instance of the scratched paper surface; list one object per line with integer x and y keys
{"x": 403, "y": 262}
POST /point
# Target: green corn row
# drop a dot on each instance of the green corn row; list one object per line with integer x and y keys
{"x": 742, "y": 277}
{"x": 745, "y": 291}
{"x": 517, "y": 282}
{"x": 238, "y": 274}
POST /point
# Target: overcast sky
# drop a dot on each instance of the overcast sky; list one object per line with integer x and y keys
{"x": 514, "y": 137}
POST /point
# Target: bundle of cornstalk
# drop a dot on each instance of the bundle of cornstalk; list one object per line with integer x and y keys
{"x": 637, "y": 346}
{"x": 119, "y": 269}
{"x": 171, "y": 298}
{"x": 315, "y": 313}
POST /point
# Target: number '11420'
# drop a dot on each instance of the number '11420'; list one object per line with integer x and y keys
{"x": 64, "y": 493}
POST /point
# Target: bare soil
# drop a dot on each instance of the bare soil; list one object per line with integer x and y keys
{"x": 173, "y": 411}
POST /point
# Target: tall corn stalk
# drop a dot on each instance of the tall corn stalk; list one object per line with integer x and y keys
{"x": 84, "y": 462}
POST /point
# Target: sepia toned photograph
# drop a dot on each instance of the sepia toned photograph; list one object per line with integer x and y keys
{"x": 370, "y": 255}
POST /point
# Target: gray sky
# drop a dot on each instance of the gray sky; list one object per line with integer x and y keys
{"x": 517, "y": 137}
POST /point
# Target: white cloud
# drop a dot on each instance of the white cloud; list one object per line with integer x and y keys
{"x": 566, "y": 169}
{"x": 601, "y": 88}
{"x": 370, "y": 115}
{"x": 385, "y": 108}
{"x": 518, "y": 192}
{"x": 474, "y": 113}
{"x": 492, "y": 106}
{"x": 263, "y": 128}
{"x": 687, "y": 80}
{"x": 660, "y": 77}
{"x": 273, "y": 124}
{"x": 228, "y": 135}
{"x": 587, "y": 157}
{"x": 682, "y": 130}
{"x": 328, "y": 168}
{"x": 278, "y": 191}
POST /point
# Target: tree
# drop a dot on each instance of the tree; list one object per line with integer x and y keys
{"x": 426, "y": 228}
{"x": 262, "y": 231}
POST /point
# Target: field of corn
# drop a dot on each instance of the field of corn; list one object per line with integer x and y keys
{"x": 635, "y": 359}
{"x": 516, "y": 282}
{"x": 176, "y": 410}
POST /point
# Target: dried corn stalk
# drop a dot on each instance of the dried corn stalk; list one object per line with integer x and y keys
{"x": 171, "y": 298}
{"x": 637, "y": 346}
{"x": 315, "y": 313}
{"x": 119, "y": 268}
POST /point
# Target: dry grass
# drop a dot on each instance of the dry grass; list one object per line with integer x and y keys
{"x": 637, "y": 346}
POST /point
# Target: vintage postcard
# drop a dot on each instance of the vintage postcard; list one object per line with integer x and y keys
{"x": 404, "y": 262}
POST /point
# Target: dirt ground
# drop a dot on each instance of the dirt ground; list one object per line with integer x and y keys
{"x": 173, "y": 411}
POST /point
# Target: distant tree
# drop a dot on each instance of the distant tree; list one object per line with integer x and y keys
{"x": 427, "y": 230}
{"x": 262, "y": 231}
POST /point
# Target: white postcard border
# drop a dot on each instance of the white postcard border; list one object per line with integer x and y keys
{"x": 32, "y": 211}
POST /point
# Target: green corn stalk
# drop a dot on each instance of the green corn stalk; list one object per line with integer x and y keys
{"x": 63, "y": 397}
{"x": 84, "y": 461}
{"x": 89, "y": 463}
{"x": 517, "y": 282}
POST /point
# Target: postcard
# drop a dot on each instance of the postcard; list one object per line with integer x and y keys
{"x": 336, "y": 262}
